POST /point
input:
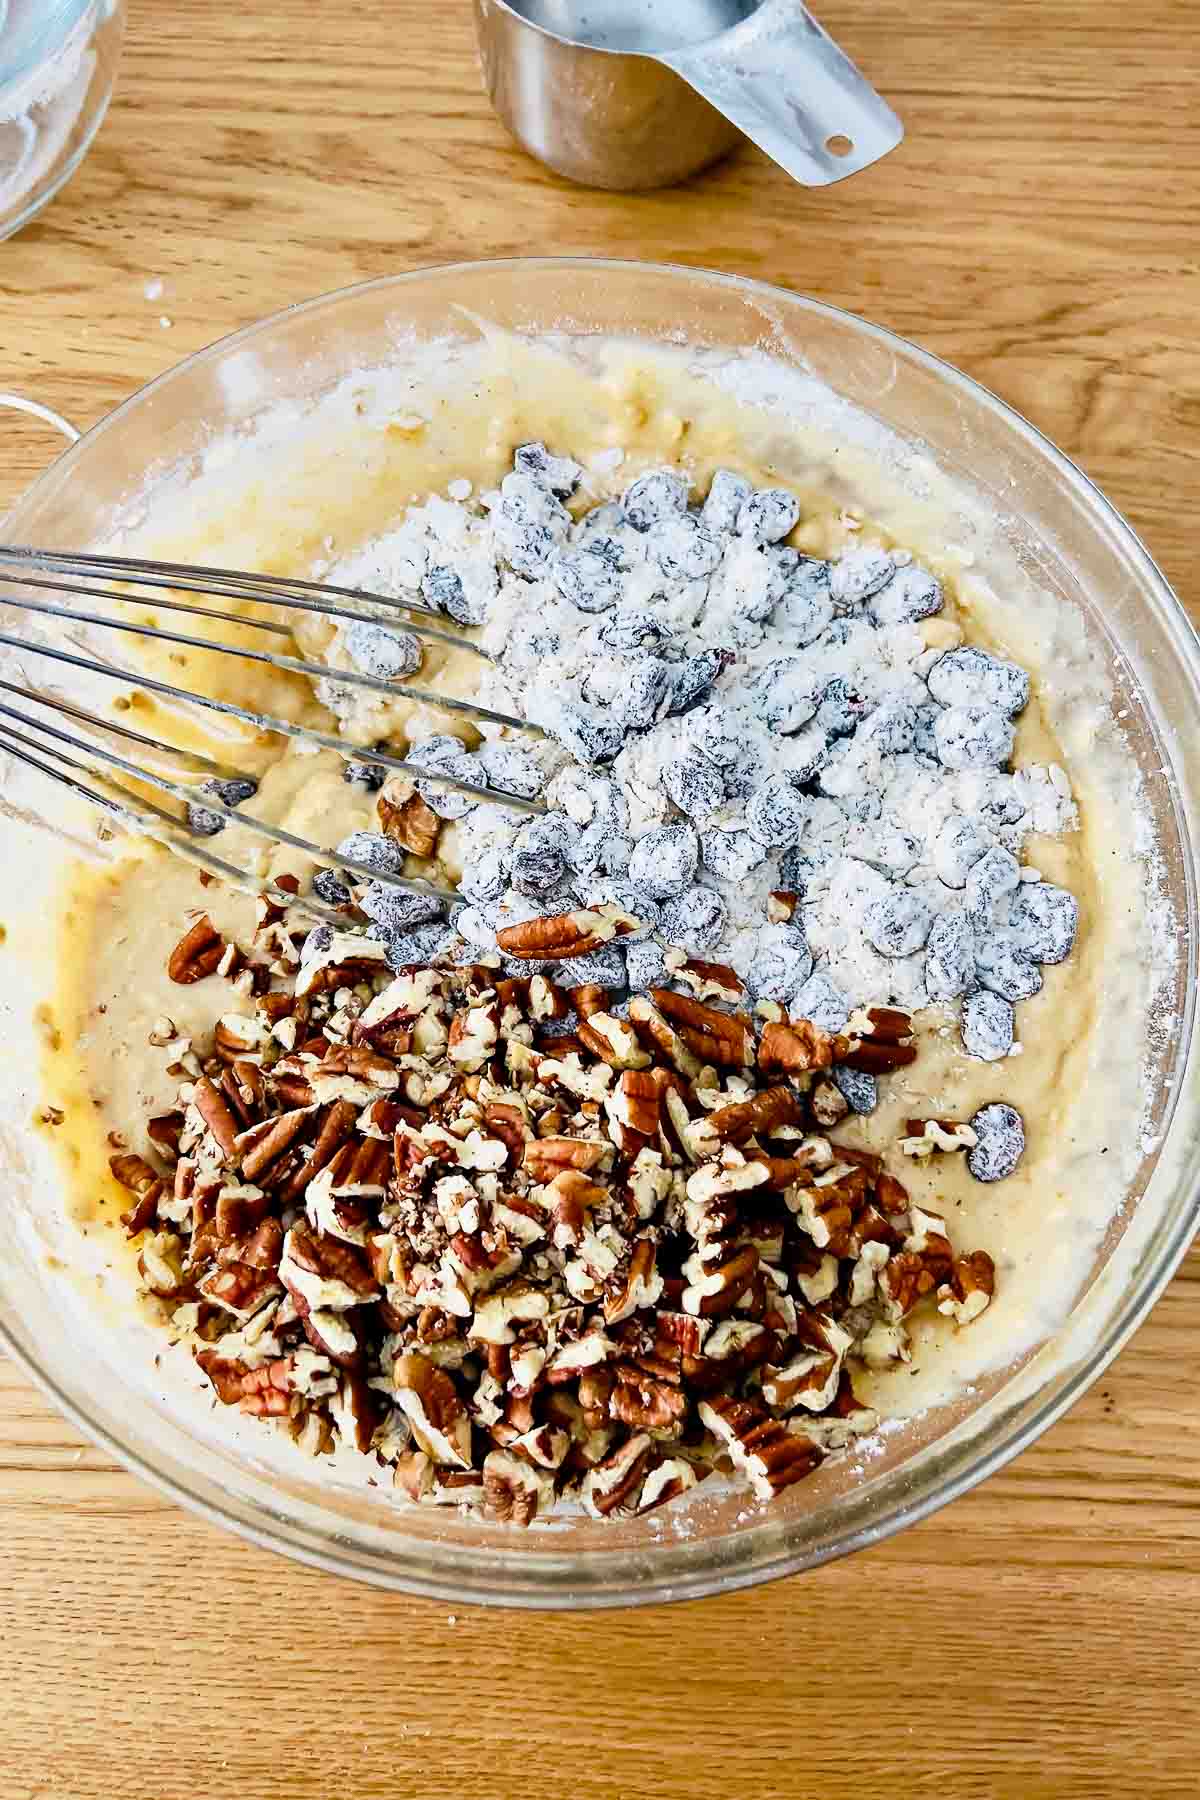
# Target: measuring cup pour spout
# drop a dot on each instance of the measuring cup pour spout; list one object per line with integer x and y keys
{"x": 784, "y": 82}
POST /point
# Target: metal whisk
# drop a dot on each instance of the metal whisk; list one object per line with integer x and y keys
{"x": 75, "y": 760}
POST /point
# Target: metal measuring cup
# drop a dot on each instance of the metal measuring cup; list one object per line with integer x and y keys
{"x": 642, "y": 93}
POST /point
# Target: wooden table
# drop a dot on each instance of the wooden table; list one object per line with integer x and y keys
{"x": 1039, "y": 228}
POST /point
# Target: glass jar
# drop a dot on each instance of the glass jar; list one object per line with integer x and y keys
{"x": 58, "y": 62}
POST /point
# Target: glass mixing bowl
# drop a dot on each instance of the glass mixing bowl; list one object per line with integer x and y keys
{"x": 58, "y": 63}
{"x": 99, "y": 1370}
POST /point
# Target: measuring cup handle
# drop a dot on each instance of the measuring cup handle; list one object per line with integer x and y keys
{"x": 784, "y": 82}
{"x": 18, "y": 403}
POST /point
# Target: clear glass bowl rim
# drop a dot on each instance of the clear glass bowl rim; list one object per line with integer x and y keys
{"x": 686, "y": 1570}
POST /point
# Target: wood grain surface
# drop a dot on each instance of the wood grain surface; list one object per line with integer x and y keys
{"x": 1040, "y": 228}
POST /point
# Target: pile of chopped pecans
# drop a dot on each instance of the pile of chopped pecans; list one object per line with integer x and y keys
{"x": 520, "y": 1249}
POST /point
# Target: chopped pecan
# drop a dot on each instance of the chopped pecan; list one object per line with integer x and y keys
{"x": 873, "y": 1057}
{"x": 615, "y": 1481}
{"x": 333, "y": 1336}
{"x": 264, "y": 1247}
{"x": 434, "y": 1326}
{"x": 197, "y": 953}
{"x": 886, "y": 1025}
{"x": 409, "y": 822}
{"x": 927, "y": 1236}
{"x": 271, "y": 907}
{"x": 970, "y": 1287}
{"x": 716, "y": 1288}
{"x": 362, "y": 1406}
{"x": 499, "y": 1313}
{"x": 781, "y": 904}
{"x": 270, "y": 1141}
{"x": 508, "y": 1123}
{"x": 613, "y": 1040}
{"x": 771, "y": 1456}
{"x": 667, "y": 1481}
{"x": 133, "y": 1172}
{"x": 225, "y": 1373}
{"x": 537, "y": 1243}
{"x": 276, "y": 1007}
{"x": 572, "y": 1197}
{"x": 513, "y": 992}
{"x": 734, "y": 1346}
{"x": 546, "y": 1445}
{"x": 144, "y": 1212}
{"x": 709, "y": 980}
{"x": 238, "y": 1212}
{"x": 798, "y": 1047}
{"x": 633, "y": 1107}
{"x": 927, "y": 1137}
{"x": 432, "y": 1404}
{"x": 266, "y": 1391}
{"x": 392, "y": 1037}
{"x": 715, "y": 1037}
{"x": 360, "y": 1063}
{"x": 159, "y": 1264}
{"x": 562, "y": 936}
{"x": 546, "y": 1000}
{"x": 829, "y": 1104}
{"x": 869, "y": 1160}
{"x": 544, "y": 1157}
{"x": 332, "y": 1259}
{"x": 247, "y": 1081}
{"x": 904, "y": 1282}
{"x": 657, "y": 1033}
{"x": 595, "y": 1391}
{"x": 165, "y": 1132}
{"x": 513, "y": 1489}
{"x": 336, "y": 1128}
{"x": 809, "y": 1379}
{"x": 474, "y": 1035}
{"x": 239, "y": 1287}
{"x": 827, "y": 1209}
{"x": 553, "y": 1048}
{"x": 890, "y": 1195}
{"x": 414, "y": 1474}
{"x": 293, "y": 1090}
{"x": 361, "y": 1164}
{"x": 588, "y": 999}
{"x": 684, "y": 1330}
{"x": 353, "y": 959}
{"x": 766, "y": 1113}
{"x": 387, "y": 1257}
{"x": 784, "y": 1171}
{"x": 214, "y": 1110}
{"x": 645, "y": 1403}
{"x": 238, "y": 1035}
{"x": 584, "y": 1353}
{"x": 638, "y": 1285}
{"x": 872, "y": 1226}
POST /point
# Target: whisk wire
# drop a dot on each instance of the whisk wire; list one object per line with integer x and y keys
{"x": 291, "y": 603}
{"x": 211, "y": 803}
{"x": 194, "y": 577}
{"x": 293, "y": 665}
{"x": 55, "y": 752}
{"x": 152, "y": 821}
{"x": 206, "y": 763}
{"x": 284, "y": 728}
